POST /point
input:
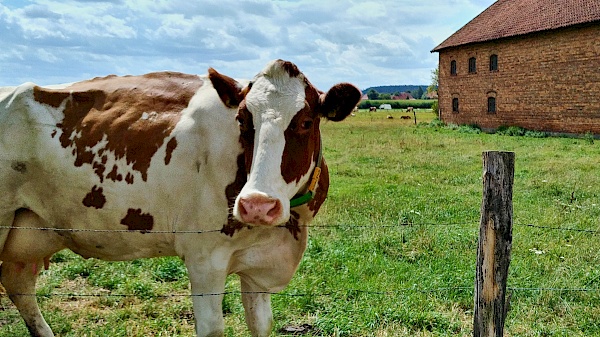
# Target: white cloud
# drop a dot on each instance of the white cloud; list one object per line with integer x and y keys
{"x": 365, "y": 42}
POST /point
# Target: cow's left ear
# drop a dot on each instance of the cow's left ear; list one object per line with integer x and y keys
{"x": 339, "y": 101}
{"x": 230, "y": 91}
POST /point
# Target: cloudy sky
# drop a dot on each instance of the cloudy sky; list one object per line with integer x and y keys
{"x": 368, "y": 43}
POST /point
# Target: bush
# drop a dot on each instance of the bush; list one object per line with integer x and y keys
{"x": 519, "y": 131}
{"x": 510, "y": 131}
{"x": 536, "y": 134}
{"x": 436, "y": 123}
{"x": 473, "y": 128}
{"x": 435, "y": 107}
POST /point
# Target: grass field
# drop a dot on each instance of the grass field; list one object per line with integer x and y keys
{"x": 392, "y": 252}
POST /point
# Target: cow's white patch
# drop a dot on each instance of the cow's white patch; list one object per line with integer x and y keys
{"x": 274, "y": 100}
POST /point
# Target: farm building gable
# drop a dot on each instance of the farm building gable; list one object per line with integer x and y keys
{"x": 527, "y": 63}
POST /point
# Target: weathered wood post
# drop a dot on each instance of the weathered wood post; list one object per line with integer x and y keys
{"x": 495, "y": 242}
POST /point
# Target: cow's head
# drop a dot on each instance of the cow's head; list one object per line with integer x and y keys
{"x": 279, "y": 113}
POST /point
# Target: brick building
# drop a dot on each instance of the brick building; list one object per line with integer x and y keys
{"x": 528, "y": 63}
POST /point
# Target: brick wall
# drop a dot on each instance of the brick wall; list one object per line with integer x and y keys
{"x": 548, "y": 81}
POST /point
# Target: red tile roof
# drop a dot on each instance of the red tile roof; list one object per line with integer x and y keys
{"x": 506, "y": 18}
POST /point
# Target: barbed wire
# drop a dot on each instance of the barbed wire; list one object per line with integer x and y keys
{"x": 337, "y": 293}
{"x": 569, "y": 229}
{"x": 328, "y": 293}
{"x": 315, "y": 226}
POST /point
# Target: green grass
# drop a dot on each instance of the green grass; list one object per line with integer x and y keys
{"x": 392, "y": 252}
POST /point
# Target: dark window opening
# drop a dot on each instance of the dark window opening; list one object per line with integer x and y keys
{"x": 491, "y": 105}
{"x": 494, "y": 62}
{"x": 455, "y": 105}
{"x": 453, "y": 67}
{"x": 472, "y": 65}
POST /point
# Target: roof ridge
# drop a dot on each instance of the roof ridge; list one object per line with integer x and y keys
{"x": 506, "y": 18}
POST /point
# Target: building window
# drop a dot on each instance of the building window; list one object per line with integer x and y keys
{"x": 453, "y": 67}
{"x": 494, "y": 62}
{"x": 491, "y": 105}
{"x": 455, "y": 104}
{"x": 472, "y": 65}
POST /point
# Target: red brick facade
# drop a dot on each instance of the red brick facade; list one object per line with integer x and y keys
{"x": 546, "y": 81}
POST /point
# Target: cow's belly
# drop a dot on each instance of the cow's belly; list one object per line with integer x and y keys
{"x": 113, "y": 220}
{"x": 119, "y": 246}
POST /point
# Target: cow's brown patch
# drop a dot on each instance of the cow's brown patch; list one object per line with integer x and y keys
{"x": 293, "y": 224}
{"x": 95, "y": 198}
{"x": 134, "y": 113}
{"x": 136, "y": 220}
{"x": 231, "y": 192}
{"x": 322, "y": 189}
{"x": 19, "y": 166}
{"x": 171, "y": 145}
{"x": 302, "y": 143}
{"x": 114, "y": 175}
{"x": 289, "y": 67}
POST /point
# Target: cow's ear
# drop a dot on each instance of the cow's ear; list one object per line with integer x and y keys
{"x": 339, "y": 101}
{"x": 230, "y": 91}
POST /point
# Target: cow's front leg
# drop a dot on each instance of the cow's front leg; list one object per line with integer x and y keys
{"x": 208, "y": 287}
{"x": 257, "y": 308}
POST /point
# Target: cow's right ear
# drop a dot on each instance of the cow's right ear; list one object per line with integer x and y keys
{"x": 230, "y": 91}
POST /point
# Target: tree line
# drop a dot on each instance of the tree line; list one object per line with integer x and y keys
{"x": 418, "y": 93}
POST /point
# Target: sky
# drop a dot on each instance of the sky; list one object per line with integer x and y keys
{"x": 367, "y": 43}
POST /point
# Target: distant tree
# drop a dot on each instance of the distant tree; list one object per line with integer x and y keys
{"x": 435, "y": 76}
{"x": 385, "y": 96}
{"x": 419, "y": 93}
{"x": 373, "y": 94}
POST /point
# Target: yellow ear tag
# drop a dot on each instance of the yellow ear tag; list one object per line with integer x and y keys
{"x": 315, "y": 179}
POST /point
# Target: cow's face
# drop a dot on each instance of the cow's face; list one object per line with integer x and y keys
{"x": 279, "y": 114}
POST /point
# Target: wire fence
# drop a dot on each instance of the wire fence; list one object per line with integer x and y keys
{"x": 336, "y": 293}
{"x": 337, "y": 226}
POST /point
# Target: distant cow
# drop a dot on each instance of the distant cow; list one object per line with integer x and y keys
{"x": 222, "y": 173}
{"x": 410, "y": 109}
{"x": 371, "y": 109}
{"x": 405, "y": 117}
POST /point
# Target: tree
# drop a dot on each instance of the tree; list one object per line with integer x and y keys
{"x": 435, "y": 80}
{"x": 373, "y": 94}
{"x": 385, "y": 96}
{"x": 419, "y": 93}
{"x": 435, "y": 76}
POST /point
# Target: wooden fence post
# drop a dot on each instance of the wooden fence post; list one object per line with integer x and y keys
{"x": 495, "y": 242}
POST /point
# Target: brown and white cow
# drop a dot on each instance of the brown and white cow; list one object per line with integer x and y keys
{"x": 223, "y": 173}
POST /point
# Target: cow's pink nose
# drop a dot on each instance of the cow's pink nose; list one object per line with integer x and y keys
{"x": 259, "y": 210}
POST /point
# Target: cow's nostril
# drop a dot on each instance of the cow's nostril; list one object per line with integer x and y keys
{"x": 242, "y": 208}
{"x": 275, "y": 211}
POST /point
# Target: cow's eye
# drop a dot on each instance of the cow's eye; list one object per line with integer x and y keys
{"x": 306, "y": 124}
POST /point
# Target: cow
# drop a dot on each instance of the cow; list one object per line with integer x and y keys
{"x": 224, "y": 173}
{"x": 373, "y": 109}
